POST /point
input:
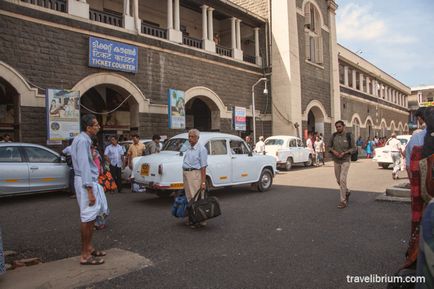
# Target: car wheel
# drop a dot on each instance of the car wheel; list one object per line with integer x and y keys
{"x": 288, "y": 164}
{"x": 265, "y": 180}
{"x": 384, "y": 166}
{"x": 309, "y": 162}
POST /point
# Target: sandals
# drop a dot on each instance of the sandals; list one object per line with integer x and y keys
{"x": 97, "y": 253}
{"x": 347, "y": 196}
{"x": 92, "y": 260}
{"x": 342, "y": 205}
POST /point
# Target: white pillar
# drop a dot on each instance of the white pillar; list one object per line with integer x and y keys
{"x": 256, "y": 41}
{"x": 346, "y": 75}
{"x": 368, "y": 83}
{"x": 136, "y": 16}
{"x": 127, "y": 8}
{"x": 78, "y": 8}
{"x": 381, "y": 91}
{"x": 361, "y": 82}
{"x": 210, "y": 24}
{"x": 233, "y": 33}
{"x": 204, "y": 22}
{"x": 239, "y": 34}
{"x": 169, "y": 14}
{"x": 354, "y": 79}
{"x": 177, "y": 20}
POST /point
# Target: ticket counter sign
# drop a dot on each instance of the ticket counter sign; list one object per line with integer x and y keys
{"x": 112, "y": 55}
{"x": 239, "y": 118}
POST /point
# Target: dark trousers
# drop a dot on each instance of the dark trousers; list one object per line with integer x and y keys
{"x": 117, "y": 176}
{"x": 71, "y": 182}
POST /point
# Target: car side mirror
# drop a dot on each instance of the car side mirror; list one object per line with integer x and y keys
{"x": 181, "y": 154}
{"x": 62, "y": 159}
{"x": 250, "y": 154}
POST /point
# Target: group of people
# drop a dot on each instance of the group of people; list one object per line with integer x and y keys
{"x": 316, "y": 146}
{"x": 6, "y": 138}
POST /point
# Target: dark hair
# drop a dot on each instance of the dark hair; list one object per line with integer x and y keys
{"x": 70, "y": 141}
{"x": 87, "y": 120}
{"x": 428, "y": 143}
{"x": 115, "y": 137}
{"x": 156, "y": 136}
{"x": 135, "y": 135}
{"x": 340, "y": 122}
{"x": 420, "y": 112}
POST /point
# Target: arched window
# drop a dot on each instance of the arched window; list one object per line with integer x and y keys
{"x": 312, "y": 32}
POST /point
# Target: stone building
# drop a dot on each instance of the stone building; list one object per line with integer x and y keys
{"x": 372, "y": 101}
{"x": 420, "y": 96}
{"x": 211, "y": 50}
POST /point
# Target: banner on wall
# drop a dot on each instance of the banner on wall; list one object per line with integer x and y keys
{"x": 63, "y": 114}
{"x": 176, "y": 108}
{"x": 239, "y": 115}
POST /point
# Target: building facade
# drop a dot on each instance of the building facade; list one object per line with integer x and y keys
{"x": 421, "y": 96}
{"x": 211, "y": 50}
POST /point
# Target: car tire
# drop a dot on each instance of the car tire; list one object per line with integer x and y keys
{"x": 265, "y": 180}
{"x": 288, "y": 164}
{"x": 309, "y": 162}
{"x": 384, "y": 166}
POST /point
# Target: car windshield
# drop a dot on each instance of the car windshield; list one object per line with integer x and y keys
{"x": 176, "y": 145}
{"x": 274, "y": 142}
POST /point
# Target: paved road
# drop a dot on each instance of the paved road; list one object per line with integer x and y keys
{"x": 292, "y": 236}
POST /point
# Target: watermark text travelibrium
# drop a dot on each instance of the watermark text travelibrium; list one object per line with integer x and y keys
{"x": 375, "y": 278}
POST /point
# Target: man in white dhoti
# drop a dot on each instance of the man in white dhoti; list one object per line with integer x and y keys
{"x": 90, "y": 195}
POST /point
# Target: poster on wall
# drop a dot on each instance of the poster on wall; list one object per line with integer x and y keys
{"x": 176, "y": 109}
{"x": 63, "y": 115}
{"x": 239, "y": 118}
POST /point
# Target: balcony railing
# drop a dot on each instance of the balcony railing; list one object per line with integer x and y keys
{"x": 58, "y": 5}
{"x": 223, "y": 50}
{"x": 154, "y": 31}
{"x": 248, "y": 58}
{"x": 105, "y": 17}
{"x": 193, "y": 42}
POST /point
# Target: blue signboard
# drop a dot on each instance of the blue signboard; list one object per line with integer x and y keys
{"x": 112, "y": 55}
{"x": 239, "y": 115}
{"x": 176, "y": 109}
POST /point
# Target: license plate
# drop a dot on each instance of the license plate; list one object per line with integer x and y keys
{"x": 144, "y": 171}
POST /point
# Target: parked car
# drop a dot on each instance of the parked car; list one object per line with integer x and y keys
{"x": 288, "y": 150}
{"x": 230, "y": 162}
{"x": 383, "y": 155}
{"x": 30, "y": 168}
{"x": 126, "y": 171}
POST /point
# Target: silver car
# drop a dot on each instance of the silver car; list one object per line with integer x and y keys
{"x": 30, "y": 168}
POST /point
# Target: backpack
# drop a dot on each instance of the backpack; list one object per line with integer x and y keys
{"x": 179, "y": 207}
{"x": 355, "y": 154}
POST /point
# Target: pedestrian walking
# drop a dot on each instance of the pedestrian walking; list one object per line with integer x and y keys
{"x": 260, "y": 145}
{"x": 417, "y": 139}
{"x": 90, "y": 195}
{"x": 114, "y": 154}
{"x": 341, "y": 146}
{"x": 369, "y": 148}
{"x": 318, "y": 146}
{"x": 194, "y": 168}
{"x": 154, "y": 146}
{"x": 67, "y": 153}
{"x": 136, "y": 149}
{"x": 396, "y": 152}
{"x": 101, "y": 219}
{"x": 310, "y": 147}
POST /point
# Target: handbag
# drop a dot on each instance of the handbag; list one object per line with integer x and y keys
{"x": 200, "y": 210}
{"x": 179, "y": 207}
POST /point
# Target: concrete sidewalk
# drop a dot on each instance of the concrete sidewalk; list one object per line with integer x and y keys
{"x": 68, "y": 273}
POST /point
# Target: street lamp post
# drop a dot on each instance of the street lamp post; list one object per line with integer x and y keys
{"x": 253, "y": 105}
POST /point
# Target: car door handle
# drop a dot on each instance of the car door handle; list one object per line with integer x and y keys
{"x": 34, "y": 168}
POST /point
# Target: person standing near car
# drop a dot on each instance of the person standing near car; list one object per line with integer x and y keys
{"x": 341, "y": 152}
{"x": 136, "y": 149}
{"x": 90, "y": 195}
{"x": 194, "y": 166}
{"x": 260, "y": 145}
{"x": 396, "y": 152}
{"x": 114, "y": 154}
{"x": 154, "y": 146}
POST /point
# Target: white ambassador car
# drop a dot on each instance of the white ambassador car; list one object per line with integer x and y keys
{"x": 30, "y": 168}
{"x": 288, "y": 150}
{"x": 383, "y": 155}
{"x": 230, "y": 162}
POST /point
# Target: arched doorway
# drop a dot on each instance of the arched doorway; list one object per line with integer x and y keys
{"x": 116, "y": 111}
{"x": 9, "y": 108}
{"x": 203, "y": 114}
{"x": 315, "y": 120}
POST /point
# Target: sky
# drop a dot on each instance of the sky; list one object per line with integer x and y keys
{"x": 397, "y": 36}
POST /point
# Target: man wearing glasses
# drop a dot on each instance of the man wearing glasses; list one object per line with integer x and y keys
{"x": 341, "y": 146}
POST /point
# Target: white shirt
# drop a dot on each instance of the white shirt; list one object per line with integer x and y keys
{"x": 319, "y": 146}
{"x": 309, "y": 145}
{"x": 395, "y": 145}
{"x": 260, "y": 147}
{"x": 115, "y": 154}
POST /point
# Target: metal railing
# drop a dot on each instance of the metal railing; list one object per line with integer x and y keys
{"x": 223, "y": 50}
{"x": 58, "y": 5}
{"x": 248, "y": 58}
{"x": 105, "y": 17}
{"x": 154, "y": 31}
{"x": 193, "y": 42}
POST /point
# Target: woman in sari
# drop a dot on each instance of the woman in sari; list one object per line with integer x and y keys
{"x": 369, "y": 148}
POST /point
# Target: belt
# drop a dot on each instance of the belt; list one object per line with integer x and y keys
{"x": 189, "y": 169}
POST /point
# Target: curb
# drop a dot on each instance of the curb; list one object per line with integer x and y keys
{"x": 386, "y": 198}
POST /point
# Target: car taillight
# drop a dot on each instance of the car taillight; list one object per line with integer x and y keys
{"x": 160, "y": 169}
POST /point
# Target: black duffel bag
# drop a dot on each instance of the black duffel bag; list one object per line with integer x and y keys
{"x": 200, "y": 210}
